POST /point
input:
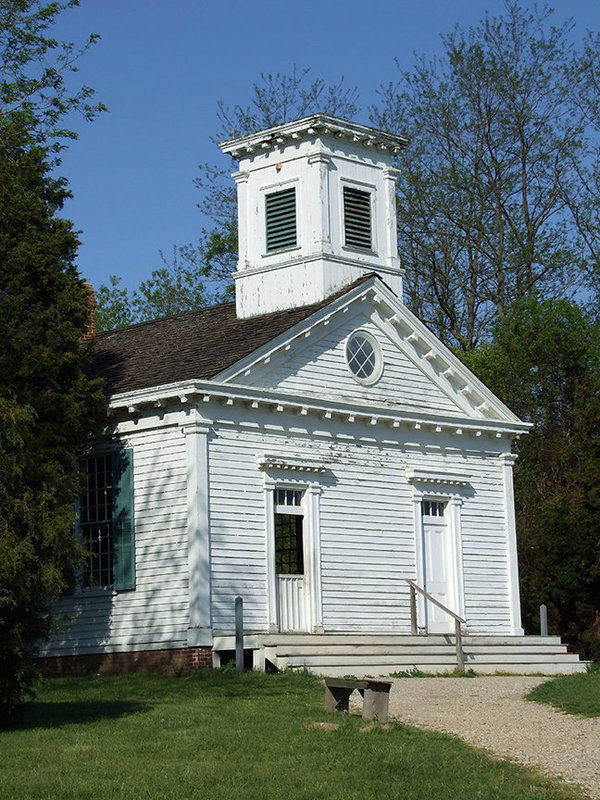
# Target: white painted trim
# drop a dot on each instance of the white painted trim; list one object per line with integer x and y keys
{"x": 419, "y": 557}
{"x": 449, "y": 374}
{"x": 274, "y": 188}
{"x": 313, "y": 612}
{"x": 311, "y": 126}
{"x": 193, "y": 393}
{"x": 455, "y": 505}
{"x": 298, "y": 330}
{"x": 414, "y": 339}
{"x": 198, "y": 531}
{"x": 390, "y": 175}
{"x": 313, "y": 555}
{"x": 369, "y": 188}
{"x": 379, "y": 362}
{"x": 271, "y": 576}
{"x": 455, "y": 566}
{"x": 286, "y": 464}
{"x": 425, "y": 475}
{"x": 241, "y": 179}
{"x": 320, "y": 188}
{"x": 314, "y": 260}
{"x": 507, "y": 460}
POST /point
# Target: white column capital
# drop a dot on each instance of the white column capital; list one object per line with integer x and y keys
{"x": 391, "y": 173}
{"x": 195, "y": 423}
{"x": 508, "y": 459}
{"x": 319, "y": 158}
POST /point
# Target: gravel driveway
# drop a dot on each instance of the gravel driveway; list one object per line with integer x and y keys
{"x": 492, "y": 714}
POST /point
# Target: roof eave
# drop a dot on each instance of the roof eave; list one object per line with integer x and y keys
{"x": 310, "y": 126}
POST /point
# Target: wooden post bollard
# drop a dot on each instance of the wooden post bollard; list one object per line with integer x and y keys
{"x": 460, "y": 656}
{"x": 413, "y": 611}
{"x": 239, "y": 634}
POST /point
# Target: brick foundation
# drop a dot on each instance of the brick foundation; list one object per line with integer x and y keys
{"x": 162, "y": 662}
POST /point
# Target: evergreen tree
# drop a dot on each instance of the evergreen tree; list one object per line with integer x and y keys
{"x": 48, "y": 405}
{"x": 544, "y": 362}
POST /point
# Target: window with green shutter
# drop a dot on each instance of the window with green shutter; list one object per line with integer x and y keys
{"x": 357, "y": 218}
{"x": 280, "y": 220}
{"x": 106, "y": 520}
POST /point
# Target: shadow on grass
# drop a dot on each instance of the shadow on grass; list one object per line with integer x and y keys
{"x": 56, "y": 715}
{"x": 247, "y": 684}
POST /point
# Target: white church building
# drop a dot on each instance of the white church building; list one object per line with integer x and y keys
{"x": 310, "y": 448}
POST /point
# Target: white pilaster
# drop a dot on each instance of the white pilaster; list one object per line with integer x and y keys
{"x": 419, "y": 557}
{"x": 314, "y": 541}
{"x": 196, "y": 431}
{"x": 507, "y": 460}
{"x": 272, "y": 616}
{"x": 391, "y": 244}
{"x": 322, "y": 235}
{"x": 241, "y": 179}
{"x": 455, "y": 521}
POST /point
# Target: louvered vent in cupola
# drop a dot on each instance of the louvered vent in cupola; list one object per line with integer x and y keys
{"x": 357, "y": 218}
{"x": 280, "y": 215}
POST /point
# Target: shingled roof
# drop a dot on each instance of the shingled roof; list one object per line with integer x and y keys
{"x": 195, "y": 345}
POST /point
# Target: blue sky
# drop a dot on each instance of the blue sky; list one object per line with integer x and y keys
{"x": 161, "y": 67}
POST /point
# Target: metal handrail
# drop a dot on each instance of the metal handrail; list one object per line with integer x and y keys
{"x": 414, "y": 588}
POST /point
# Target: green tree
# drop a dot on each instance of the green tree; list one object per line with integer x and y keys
{"x": 498, "y": 188}
{"x": 48, "y": 405}
{"x": 544, "y": 362}
{"x": 174, "y": 288}
{"x": 34, "y": 70}
{"x": 200, "y": 272}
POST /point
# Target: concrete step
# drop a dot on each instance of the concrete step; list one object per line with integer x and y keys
{"x": 381, "y": 654}
{"x": 523, "y": 655}
{"x": 435, "y": 669}
{"x": 407, "y": 640}
{"x": 420, "y": 648}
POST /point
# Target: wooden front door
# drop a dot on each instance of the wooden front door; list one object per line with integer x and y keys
{"x": 438, "y": 566}
{"x": 289, "y": 560}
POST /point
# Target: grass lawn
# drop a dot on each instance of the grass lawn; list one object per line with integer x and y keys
{"x": 575, "y": 694}
{"x": 224, "y": 736}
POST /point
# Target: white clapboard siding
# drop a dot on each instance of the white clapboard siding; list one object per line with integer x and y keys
{"x": 318, "y": 365}
{"x": 485, "y": 564}
{"x": 156, "y": 613}
{"x": 238, "y": 546}
{"x": 367, "y": 536}
{"x": 367, "y": 544}
{"x": 238, "y": 555}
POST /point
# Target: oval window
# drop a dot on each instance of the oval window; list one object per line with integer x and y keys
{"x": 363, "y": 356}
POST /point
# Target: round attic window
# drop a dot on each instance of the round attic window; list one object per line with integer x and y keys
{"x": 363, "y": 357}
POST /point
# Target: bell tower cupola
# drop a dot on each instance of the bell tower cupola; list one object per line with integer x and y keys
{"x": 316, "y": 210}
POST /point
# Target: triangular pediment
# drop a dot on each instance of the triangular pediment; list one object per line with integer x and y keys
{"x": 418, "y": 373}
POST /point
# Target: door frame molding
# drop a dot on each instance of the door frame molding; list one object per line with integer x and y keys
{"x": 454, "y": 501}
{"x": 311, "y": 543}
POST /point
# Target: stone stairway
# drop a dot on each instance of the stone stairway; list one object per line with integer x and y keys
{"x": 337, "y": 655}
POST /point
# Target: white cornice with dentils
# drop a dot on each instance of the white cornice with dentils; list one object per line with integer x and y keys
{"x": 455, "y": 477}
{"x": 315, "y": 124}
{"x": 406, "y": 332}
{"x": 194, "y": 394}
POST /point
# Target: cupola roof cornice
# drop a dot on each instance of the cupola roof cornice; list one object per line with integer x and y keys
{"x": 313, "y": 125}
